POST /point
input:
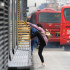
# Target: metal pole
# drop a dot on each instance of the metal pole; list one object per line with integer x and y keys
{"x": 16, "y": 18}
{"x": 55, "y": 4}
{"x": 21, "y": 10}
{"x": 18, "y": 10}
{"x": 51, "y": 3}
{"x": 24, "y": 3}
{"x": 13, "y": 25}
{"x": 9, "y": 31}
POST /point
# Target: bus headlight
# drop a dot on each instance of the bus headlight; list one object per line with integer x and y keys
{"x": 69, "y": 36}
{"x": 67, "y": 42}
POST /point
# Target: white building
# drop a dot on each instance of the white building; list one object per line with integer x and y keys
{"x": 57, "y": 4}
{"x": 31, "y": 5}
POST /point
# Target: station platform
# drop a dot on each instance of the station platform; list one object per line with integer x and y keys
{"x": 21, "y": 60}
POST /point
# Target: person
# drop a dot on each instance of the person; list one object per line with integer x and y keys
{"x": 33, "y": 30}
{"x": 42, "y": 39}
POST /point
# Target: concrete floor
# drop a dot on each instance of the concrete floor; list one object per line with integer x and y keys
{"x": 55, "y": 60}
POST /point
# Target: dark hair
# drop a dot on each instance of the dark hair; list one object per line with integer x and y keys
{"x": 40, "y": 25}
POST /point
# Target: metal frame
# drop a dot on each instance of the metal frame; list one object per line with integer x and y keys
{"x": 23, "y": 46}
{"x": 13, "y": 29}
{"x": 4, "y": 35}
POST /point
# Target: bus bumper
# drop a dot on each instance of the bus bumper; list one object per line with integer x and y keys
{"x": 54, "y": 39}
{"x": 64, "y": 42}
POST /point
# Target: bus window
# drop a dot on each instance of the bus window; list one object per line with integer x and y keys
{"x": 67, "y": 14}
{"x": 49, "y": 18}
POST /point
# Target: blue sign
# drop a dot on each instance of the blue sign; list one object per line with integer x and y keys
{"x": 24, "y": 14}
{"x": 27, "y": 7}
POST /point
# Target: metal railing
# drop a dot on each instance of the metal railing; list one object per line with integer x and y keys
{"x": 23, "y": 35}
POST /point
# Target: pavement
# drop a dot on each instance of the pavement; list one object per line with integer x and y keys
{"x": 55, "y": 60}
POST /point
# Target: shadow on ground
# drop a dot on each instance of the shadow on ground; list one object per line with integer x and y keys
{"x": 54, "y": 45}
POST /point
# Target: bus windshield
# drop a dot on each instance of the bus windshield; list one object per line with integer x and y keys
{"x": 67, "y": 14}
{"x": 49, "y": 17}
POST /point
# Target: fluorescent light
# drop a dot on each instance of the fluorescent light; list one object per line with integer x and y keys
{"x": 2, "y": 4}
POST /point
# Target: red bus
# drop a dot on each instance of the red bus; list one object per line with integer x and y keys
{"x": 65, "y": 26}
{"x": 50, "y": 19}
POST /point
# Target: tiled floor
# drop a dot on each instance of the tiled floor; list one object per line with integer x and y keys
{"x": 20, "y": 59}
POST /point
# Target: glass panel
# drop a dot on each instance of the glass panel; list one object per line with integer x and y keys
{"x": 67, "y": 14}
{"x": 49, "y": 18}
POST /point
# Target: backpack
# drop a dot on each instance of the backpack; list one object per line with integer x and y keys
{"x": 48, "y": 34}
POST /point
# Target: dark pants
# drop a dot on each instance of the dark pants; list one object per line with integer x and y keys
{"x": 40, "y": 50}
{"x": 42, "y": 44}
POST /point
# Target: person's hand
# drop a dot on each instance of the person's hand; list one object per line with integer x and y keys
{"x": 46, "y": 29}
{"x": 27, "y": 22}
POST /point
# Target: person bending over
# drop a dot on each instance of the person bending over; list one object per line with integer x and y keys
{"x": 42, "y": 39}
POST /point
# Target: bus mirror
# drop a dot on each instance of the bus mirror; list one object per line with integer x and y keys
{"x": 38, "y": 10}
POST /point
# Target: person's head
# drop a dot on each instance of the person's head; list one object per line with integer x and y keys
{"x": 39, "y": 25}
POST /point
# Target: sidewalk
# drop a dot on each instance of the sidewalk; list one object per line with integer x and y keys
{"x": 55, "y": 60}
{"x": 37, "y": 62}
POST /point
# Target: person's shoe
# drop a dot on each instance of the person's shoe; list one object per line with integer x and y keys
{"x": 43, "y": 64}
